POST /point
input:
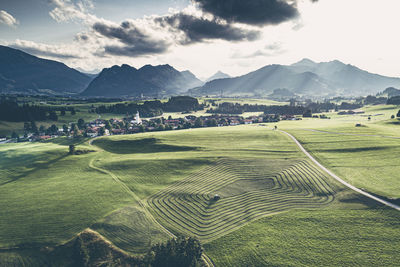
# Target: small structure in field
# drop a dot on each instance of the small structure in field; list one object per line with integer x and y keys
{"x": 216, "y": 197}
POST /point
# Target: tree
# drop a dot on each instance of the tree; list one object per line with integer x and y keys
{"x": 211, "y": 123}
{"x": 392, "y": 117}
{"x": 398, "y": 114}
{"x": 108, "y": 125}
{"x": 34, "y": 128}
{"x": 42, "y": 129}
{"x": 198, "y": 123}
{"x": 62, "y": 113}
{"x": 53, "y": 116}
{"x": 76, "y": 131}
{"x": 14, "y": 135}
{"x": 307, "y": 114}
{"x": 179, "y": 252}
{"x": 65, "y": 129}
{"x": 71, "y": 149}
{"x": 73, "y": 111}
{"x": 27, "y": 126}
{"x": 53, "y": 129}
{"x": 102, "y": 131}
{"x": 160, "y": 127}
{"x": 81, "y": 124}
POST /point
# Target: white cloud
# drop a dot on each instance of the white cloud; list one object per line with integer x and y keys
{"x": 7, "y": 19}
{"x": 360, "y": 32}
{"x": 62, "y": 51}
{"x": 67, "y": 10}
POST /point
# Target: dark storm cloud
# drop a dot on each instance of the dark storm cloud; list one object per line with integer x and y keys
{"x": 137, "y": 42}
{"x": 133, "y": 51}
{"x": 197, "y": 29}
{"x": 187, "y": 29}
{"x": 252, "y": 12}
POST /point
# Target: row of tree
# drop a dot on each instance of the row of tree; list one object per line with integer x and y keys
{"x": 236, "y": 108}
{"x": 10, "y": 110}
{"x": 176, "y": 252}
{"x": 153, "y": 108}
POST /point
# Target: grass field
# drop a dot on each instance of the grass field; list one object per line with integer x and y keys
{"x": 276, "y": 207}
{"x": 364, "y": 156}
{"x": 334, "y": 237}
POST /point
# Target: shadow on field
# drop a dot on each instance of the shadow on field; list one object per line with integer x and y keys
{"x": 38, "y": 166}
{"x": 147, "y": 145}
{"x": 394, "y": 122}
{"x": 65, "y": 141}
{"x": 356, "y": 149}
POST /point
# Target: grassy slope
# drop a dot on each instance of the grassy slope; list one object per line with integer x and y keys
{"x": 299, "y": 243}
{"x": 365, "y": 161}
{"x": 47, "y": 196}
{"x": 334, "y": 237}
{"x": 41, "y": 188}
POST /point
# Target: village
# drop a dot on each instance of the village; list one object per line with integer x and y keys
{"x": 135, "y": 124}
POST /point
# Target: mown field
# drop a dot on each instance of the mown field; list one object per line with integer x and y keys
{"x": 366, "y": 156}
{"x": 275, "y": 208}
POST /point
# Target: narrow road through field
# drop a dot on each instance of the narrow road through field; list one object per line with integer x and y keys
{"x": 394, "y": 206}
{"x": 351, "y": 134}
{"x": 206, "y": 259}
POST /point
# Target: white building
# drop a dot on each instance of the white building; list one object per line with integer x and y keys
{"x": 137, "y": 120}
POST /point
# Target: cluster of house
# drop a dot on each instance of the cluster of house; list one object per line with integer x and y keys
{"x": 136, "y": 124}
{"x": 101, "y": 127}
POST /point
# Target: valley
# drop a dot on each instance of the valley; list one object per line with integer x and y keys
{"x": 264, "y": 183}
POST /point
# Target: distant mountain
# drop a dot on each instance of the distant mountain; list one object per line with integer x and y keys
{"x": 305, "y": 78}
{"x": 390, "y": 92}
{"x": 218, "y": 75}
{"x": 92, "y": 74}
{"x": 152, "y": 81}
{"x": 23, "y": 73}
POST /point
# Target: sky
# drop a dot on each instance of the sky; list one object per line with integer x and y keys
{"x": 205, "y": 36}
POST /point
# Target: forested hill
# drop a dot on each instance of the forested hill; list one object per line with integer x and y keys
{"x": 23, "y": 73}
{"x": 153, "y": 81}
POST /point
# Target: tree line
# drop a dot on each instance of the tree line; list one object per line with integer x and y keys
{"x": 153, "y": 108}
{"x": 236, "y": 108}
{"x": 11, "y": 111}
{"x": 176, "y": 252}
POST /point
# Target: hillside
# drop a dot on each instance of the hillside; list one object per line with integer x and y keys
{"x": 218, "y": 75}
{"x": 149, "y": 80}
{"x": 305, "y": 78}
{"x": 24, "y": 73}
{"x": 390, "y": 92}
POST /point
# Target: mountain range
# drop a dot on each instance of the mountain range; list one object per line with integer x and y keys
{"x": 149, "y": 81}
{"x": 23, "y": 73}
{"x": 305, "y": 78}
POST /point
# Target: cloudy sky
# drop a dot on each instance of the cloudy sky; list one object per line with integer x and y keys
{"x": 204, "y": 36}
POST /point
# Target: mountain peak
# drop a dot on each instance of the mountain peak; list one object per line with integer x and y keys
{"x": 304, "y": 61}
{"x": 218, "y": 75}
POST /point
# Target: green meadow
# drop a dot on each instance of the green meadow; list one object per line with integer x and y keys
{"x": 247, "y": 192}
{"x": 364, "y": 156}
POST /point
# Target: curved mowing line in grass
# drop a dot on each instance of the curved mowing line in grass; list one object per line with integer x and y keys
{"x": 188, "y": 206}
